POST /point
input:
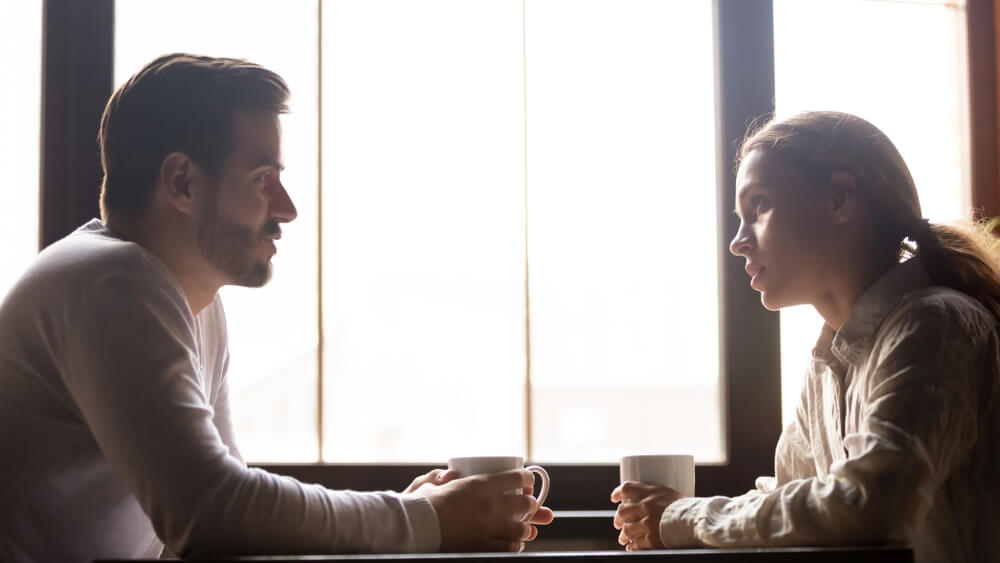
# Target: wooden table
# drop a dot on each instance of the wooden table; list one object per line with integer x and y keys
{"x": 784, "y": 555}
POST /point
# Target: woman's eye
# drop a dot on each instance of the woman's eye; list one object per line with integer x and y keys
{"x": 757, "y": 205}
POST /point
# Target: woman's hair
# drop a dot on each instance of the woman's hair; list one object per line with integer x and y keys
{"x": 817, "y": 144}
{"x": 176, "y": 103}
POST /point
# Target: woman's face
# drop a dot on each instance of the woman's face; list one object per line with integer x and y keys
{"x": 785, "y": 234}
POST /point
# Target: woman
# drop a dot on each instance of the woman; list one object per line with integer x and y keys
{"x": 896, "y": 438}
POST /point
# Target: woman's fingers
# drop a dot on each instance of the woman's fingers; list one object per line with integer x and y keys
{"x": 616, "y": 495}
{"x": 640, "y": 534}
{"x": 629, "y": 513}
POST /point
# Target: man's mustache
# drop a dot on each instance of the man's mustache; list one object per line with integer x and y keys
{"x": 270, "y": 228}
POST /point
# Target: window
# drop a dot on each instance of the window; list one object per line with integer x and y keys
{"x": 552, "y": 75}
{"x": 20, "y": 33}
{"x": 888, "y": 62}
{"x": 499, "y": 181}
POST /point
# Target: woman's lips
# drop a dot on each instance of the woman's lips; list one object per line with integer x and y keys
{"x": 754, "y": 272}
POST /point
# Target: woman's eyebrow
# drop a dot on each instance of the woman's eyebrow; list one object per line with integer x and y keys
{"x": 745, "y": 193}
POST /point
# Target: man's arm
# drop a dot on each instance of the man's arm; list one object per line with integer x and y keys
{"x": 132, "y": 369}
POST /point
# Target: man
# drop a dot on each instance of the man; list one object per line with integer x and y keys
{"x": 114, "y": 415}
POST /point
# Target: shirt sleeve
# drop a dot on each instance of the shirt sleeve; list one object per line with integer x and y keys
{"x": 223, "y": 415}
{"x": 917, "y": 422}
{"x": 132, "y": 370}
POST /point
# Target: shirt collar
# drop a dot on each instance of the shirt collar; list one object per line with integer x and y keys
{"x": 853, "y": 340}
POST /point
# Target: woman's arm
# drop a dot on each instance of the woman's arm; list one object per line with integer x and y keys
{"x": 917, "y": 420}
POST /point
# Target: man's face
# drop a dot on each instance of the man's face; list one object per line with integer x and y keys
{"x": 238, "y": 227}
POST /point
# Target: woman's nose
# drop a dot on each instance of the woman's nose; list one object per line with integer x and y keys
{"x": 740, "y": 245}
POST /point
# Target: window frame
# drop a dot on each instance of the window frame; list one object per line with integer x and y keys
{"x": 77, "y": 80}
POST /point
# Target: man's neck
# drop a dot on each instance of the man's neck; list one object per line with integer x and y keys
{"x": 181, "y": 257}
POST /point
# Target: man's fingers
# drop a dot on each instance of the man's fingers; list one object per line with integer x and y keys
{"x": 517, "y": 504}
{"x": 542, "y": 517}
{"x": 432, "y": 477}
{"x": 511, "y": 530}
{"x": 513, "y": 479}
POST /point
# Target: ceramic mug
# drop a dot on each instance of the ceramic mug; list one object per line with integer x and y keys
{"x": 674, "y": 471}
{"x": 483, "y": 465}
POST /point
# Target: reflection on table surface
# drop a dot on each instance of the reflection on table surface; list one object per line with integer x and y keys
{"x": 804, "y": 554}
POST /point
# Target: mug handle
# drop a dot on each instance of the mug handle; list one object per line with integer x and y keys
{"x": 541, "y": 472}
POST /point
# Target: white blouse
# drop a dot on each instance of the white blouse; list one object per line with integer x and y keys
{"x": 896, "y": 438}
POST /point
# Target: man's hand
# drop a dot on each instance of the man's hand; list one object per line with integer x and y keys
{"x": 433, "y": 477}
{"x": 638, "y": 516}
{"x": 474, "y": 514}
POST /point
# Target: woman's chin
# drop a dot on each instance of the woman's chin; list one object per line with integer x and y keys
{"x": 771, "y": 302}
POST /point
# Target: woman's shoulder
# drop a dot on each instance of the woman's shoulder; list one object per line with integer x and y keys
{"x": 941, "y": 310}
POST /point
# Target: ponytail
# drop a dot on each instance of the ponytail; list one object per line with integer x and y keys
{"x": 964, "y": 257}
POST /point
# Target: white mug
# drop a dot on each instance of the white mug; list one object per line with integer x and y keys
{"x": 482, "y": 465}
{"x": 674, "y": 471}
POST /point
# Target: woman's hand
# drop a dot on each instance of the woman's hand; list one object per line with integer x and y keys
{"x": 433, "y": 477}
{"x": 638, "y": 516}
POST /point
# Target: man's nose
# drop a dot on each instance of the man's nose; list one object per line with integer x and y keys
{"x": 282, "y": 208}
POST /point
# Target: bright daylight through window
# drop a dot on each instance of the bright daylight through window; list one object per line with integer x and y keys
{"x": 20, "y": 33}
{"x": 498, "y": 179}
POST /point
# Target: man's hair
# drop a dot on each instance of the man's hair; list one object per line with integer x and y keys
{"x": 177, "y": 103}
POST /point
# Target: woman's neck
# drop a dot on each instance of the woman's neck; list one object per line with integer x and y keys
{"x": 836, "y": 303}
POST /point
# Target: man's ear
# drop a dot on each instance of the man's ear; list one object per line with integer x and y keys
{"x": 842, "y": 197}
{"x": 177, "y": 174}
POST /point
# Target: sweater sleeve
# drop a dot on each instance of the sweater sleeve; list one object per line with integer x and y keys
{"x": 132, "y": 368}
{"x": 917, "y": 421}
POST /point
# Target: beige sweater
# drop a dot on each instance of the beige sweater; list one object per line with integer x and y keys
{"x": 115, "y": 431}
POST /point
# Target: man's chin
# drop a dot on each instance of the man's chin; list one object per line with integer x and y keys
{"x": 257, "y": 276}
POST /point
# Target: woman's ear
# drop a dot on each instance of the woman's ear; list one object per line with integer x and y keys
{"x": 842, "y": 197}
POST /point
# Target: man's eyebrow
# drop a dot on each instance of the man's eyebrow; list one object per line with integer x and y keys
{"x": 269, "y": 162}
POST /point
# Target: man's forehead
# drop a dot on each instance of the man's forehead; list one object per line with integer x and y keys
{"x": 258, "y": 136}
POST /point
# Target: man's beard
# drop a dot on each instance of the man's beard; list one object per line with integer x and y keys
{"x": 230, "y": 247}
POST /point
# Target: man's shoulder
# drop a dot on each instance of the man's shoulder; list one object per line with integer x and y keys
{"x": 91, "y": 247}
{"x": 86, "y": 262}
